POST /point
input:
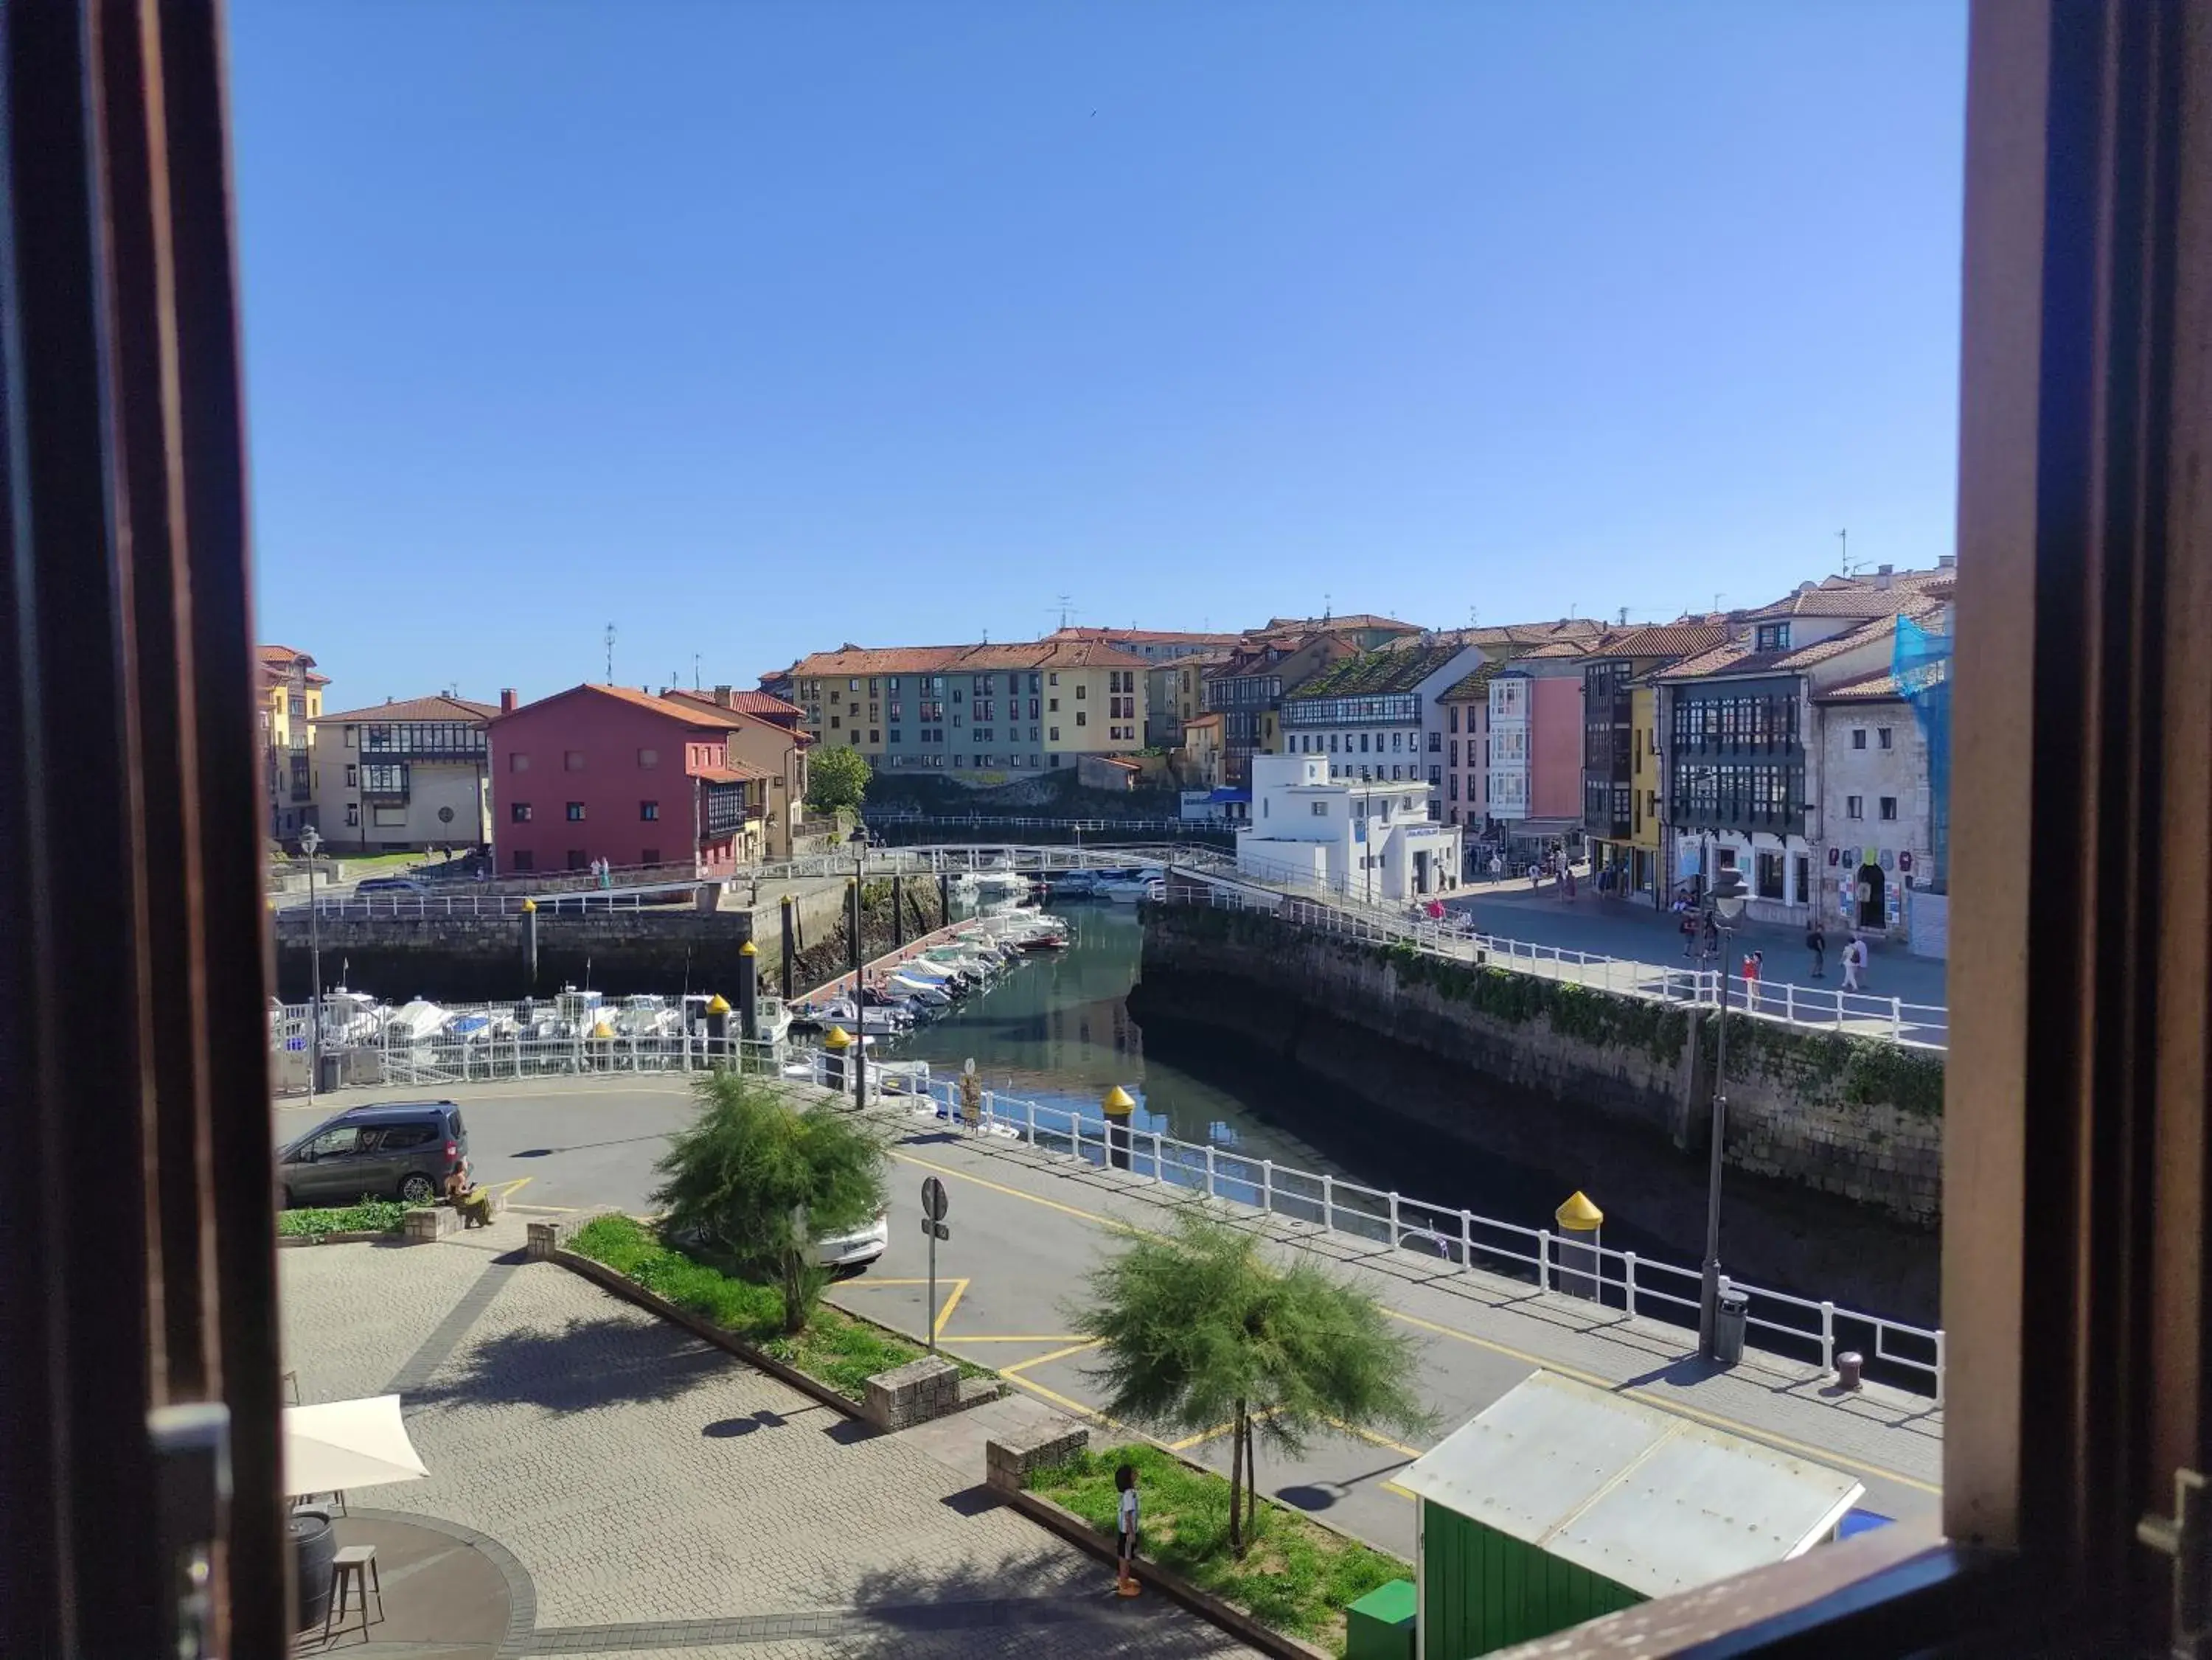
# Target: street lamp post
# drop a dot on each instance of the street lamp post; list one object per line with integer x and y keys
{"x": 1727, "y": 897}
{"x": 859, "y": 967}
{"x": 310, "y": 840}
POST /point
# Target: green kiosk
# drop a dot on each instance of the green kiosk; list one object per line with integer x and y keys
{"x": 1560, "y": 1503}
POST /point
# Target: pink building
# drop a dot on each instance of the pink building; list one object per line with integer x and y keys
{"x": 604, "y": 772}
{"x": 1555, "y": 743}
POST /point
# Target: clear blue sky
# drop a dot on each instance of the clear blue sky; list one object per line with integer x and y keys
{"x": 755, "y": 328}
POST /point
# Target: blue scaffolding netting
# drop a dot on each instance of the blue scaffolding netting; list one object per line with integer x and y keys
{"x": 1920, "y": 663}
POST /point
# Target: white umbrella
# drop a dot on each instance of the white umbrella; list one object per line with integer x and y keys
{"x": 341, "y": 1445}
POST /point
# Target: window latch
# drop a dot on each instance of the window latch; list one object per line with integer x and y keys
{"x": 2183, "y": 1537}
{"x": 192, "y": 1450}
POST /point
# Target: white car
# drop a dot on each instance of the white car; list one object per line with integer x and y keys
{"x": 858, "y": 1248}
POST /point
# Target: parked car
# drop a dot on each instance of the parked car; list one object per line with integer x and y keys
{"x": 858, "y": 1248}
{"x": 402, "y": 1149}
{"x": 389, "y": 885}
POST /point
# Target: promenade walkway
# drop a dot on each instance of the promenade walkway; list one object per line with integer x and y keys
{"x": 1027, "y": 1226}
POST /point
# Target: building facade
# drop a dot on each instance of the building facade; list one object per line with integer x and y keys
{"x": 1175, "y": 695}
{"x": 768, "y": 737}
{"x": 1376, "y": 715}
{"x": 1371, "y": 840}
{"x": 1876, "y": 808}
{"x": 1199, "y": 760}
{"x": 979, "y": 714}
{"x": 605, "y": 773}
{"x": 1247, "y": 692}
{"x": 291, "y": 697}
{"x": 1619, "y": 757}
{"x": 403, "y": 775}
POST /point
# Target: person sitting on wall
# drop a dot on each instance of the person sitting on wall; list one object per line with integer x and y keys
{"x": 472, "y": 1202}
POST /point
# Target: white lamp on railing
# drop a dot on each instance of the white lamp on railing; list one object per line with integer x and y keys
{"x": 1729, "y": 899}
{"x": 310, "y": 840}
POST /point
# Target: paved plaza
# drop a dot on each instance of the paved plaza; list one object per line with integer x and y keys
{"x": 640, "y": 1490}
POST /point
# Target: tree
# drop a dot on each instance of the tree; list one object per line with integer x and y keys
{"x": 1198, "y": 1329}
{"x": 759, "y": 1184}
{"x": 836, "y": 780}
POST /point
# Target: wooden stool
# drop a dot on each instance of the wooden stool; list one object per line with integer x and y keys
{"x": 358, "y": 1564}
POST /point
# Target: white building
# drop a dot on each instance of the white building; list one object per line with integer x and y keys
{"x": 1507, "y": 783}
{"x": 1365, "y": 839}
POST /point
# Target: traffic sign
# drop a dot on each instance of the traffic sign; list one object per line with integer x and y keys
{"x": 932, "y": 1199}
{"x": 935, "y": 1230}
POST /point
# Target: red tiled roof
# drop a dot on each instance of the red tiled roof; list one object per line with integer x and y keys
{"x": 1882, "y": 687}
{"x": 436, "y": 707}
{"x": 766, "y": 704}
{"x": 1664, "y": 639}
{"x": 690, "y": 714}
{"x": 1212, "y": 718}
{"x": 853, "y": 661}
{"x": 1149, "y": 636}
{"x": 1737, "y": 656}
{"x": 1325, "y": 625}
{"x": 276, "y": 662}
{"x": 287, "y": 654}
{"x": 736, "y": 772}
{"x": 1863, "y": 596}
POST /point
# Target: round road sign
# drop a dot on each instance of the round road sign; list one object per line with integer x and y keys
{"x": 932, "y": 1199}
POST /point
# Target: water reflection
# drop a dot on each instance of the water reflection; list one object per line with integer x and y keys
{"x": 1058, "y": 1031}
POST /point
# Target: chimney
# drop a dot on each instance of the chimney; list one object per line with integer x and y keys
{"x": 1881, "y": 575}
{"x": 1947, "y": 562}
{"x": 724, "y": 698}
{"x": 508, "y": 703}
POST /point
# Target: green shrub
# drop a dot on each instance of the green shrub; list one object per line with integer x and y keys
{"x": 369, "y": 1216}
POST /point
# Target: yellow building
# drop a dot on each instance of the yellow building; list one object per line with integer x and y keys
{"x": 982, "y": 714}
{"x": 1643, "y": 782}
{"x": 291, "y": 696}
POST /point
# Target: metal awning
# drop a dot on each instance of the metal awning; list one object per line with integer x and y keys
{"x": 1651, "y": 1501}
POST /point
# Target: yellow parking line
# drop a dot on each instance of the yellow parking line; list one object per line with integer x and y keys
{"x": 872, "y": 1283}
{"x": 1370, "y": 1437}
{"x": 1206, "y": 1435}
{"x": 951, "y": 1302}
{"x": 1403, "y": 1493}
{"x": 1011, "y": 1193}
{"x": 1075, "y": 1407}
{"x": 1042, "y": 1360}
{"x": 508, "y": 1189}
{"x": 1039, "y": 1337}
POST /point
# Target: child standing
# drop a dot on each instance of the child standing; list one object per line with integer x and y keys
{"x": 1126, "y": 1533}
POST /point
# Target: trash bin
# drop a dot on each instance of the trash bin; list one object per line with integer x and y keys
{"x": 314, "y": 1549}
{"x": 1727, "y": 1327}
{"x": 332, "y": 1071}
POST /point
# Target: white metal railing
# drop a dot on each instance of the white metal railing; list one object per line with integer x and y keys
{"x": 416, "y": 906}
{"x": 1559, "y": 1264}
{"x": 1864, "y": 1014}
{"x": 395, "y": 1056}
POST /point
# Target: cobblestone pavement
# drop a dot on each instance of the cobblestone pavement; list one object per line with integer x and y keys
{"x": 643, "y": 1479}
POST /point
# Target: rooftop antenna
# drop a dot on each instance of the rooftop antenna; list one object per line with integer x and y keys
{"x": 610, "y": 653}
{"x": 1844, "y": 537}
{"x": 1066, "y": 603}
{"x": 694, "y": 671}
{"x": 1328, "y": 607}
{"x": 1624, "y": 616}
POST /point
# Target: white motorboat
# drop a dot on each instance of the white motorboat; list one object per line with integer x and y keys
{"x": 481, "y": 1025}
{"x": 1128, "y": 890}
{"x": 1001, "y": 884}
{"x": 350, "y": 1017}
{"x": 928, "y": 993}
{"x": 875, "y": 1021}
{"x": 417, "y": 1022}
{"x": 578, "y": 1012}
{"x": 644, "y": 1015}
{"x": 1075, "y": 885}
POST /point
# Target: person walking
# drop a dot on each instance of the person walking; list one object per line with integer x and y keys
{"x": 1817, "y": 944}
{"x": 1689, "y": 931}
{"x": 1125, "y": 1551}
{"x": 1752, "y": 962}
{"x": 1498, "y": 866}
{"x": 1855, "y": 955}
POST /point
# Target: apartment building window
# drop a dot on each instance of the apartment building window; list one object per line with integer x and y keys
{"x": 875, "y": 735}
{"x": 1033, "y": 735}
{"x": 1772, "y": 637}
{"x": 1082, "y": 691}
{"x": 1451, "y": 789}
{"x": 575, "y": 812}
{"x": 898, "y": 711}
{"x": 981, "y": 735}
{"x": 1858, "y": 737}
{"x": 982, "y": 709}
{"x": 1889, "y": 807}
{"x": 833, "y": 722}
{"x": 349, "y": 731}
{"x": 518, "y": 812}
{"x": 894, "y": 684}
{"x": 1454, "y": 717}
{"x": 1052, "y": 735}
{"x": 1883, "y": 733}
{"x": 353, "y": 775}
{"x": 1436, "y": 742}
{"x": 981, "y": 685}
{"x": 1854, "y": 807}
{"x": 895, "y": 737}
{"x": 875, "y": 685}
{"x": 875, "y": 711}
{"x": 1051, "y": 705}
{"x": 1080, "y": 718}
{"x": 1397, "y": 742}
{"x": 1033, "y": 759}
{"x": 1363, "y": 743}
{"x": 649, "y": 812}
{"x": 1053, "y": 679}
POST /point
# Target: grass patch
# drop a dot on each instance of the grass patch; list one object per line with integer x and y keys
{"x": 1297, "y": 1577}
{"x": 369, "y": 1216}
{"x": 835, "y": 1349}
